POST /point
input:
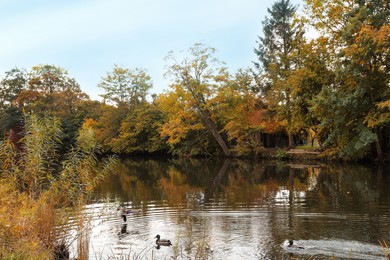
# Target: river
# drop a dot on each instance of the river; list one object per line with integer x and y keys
{"x": 238, "y": 209}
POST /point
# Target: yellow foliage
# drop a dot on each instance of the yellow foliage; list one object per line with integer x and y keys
{"x": 89, "y": 122}
{"x": 380, "y": 117}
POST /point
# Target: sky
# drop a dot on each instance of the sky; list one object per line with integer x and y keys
{"x": 88, "y": 37}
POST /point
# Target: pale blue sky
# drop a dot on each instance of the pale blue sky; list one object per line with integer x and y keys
{"x": 87, "y": 37}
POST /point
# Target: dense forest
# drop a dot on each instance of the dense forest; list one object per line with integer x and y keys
{"x": 321, "y": 77}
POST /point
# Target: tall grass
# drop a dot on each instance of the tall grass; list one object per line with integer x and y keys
{"x": 39, "y": 191}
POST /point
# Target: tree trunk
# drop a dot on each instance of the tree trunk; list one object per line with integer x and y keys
{"x": 379, "y": 152}
{"x": 213, "y": 129}
{"x": 290, "y": 140}
{"x": 378, "y": 146}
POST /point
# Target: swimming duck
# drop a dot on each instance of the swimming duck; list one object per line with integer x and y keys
{"x": 291, "y": 244}
{"x": 163, "y": 242}
{"x": 124, "y": 212}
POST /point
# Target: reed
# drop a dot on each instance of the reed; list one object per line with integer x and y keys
{"x": 39, "y": 191}
{"x": 385, "y": 248}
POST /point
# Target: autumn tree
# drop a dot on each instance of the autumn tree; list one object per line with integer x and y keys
{"x": 311, "y": 75}
{"x": 56, "y": 90}
{"x": 125, "y": 86}
{"x": 234, "y": 105}
{"x": 195, "y": 79}
{"x": 183, "y": 130}
{"x": 358, "y": 32}
{"x": 276, "y": 49}
{"x": 107, "y": 125}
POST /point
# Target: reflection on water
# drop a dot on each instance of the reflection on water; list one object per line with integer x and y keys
{"x": 237, "y": 209}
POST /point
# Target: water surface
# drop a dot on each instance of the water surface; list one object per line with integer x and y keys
{"x": 236, "y": 209}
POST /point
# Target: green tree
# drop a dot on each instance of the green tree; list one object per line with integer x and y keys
{"x": 14, "y": 81}
{"x": 107, "y": 126}
{"x": 197, "y": 78}
{"x": 276, "y": 61}
{"x": 125, "y": 86}
{"x": 140, "y": 131}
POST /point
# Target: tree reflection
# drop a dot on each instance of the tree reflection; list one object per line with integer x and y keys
{"x": 176, "y": 188}
{"x": 226, "y": 200}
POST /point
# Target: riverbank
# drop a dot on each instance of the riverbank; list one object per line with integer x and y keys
{"x": 293, "y": 154}
{"x": 305, "y": 154}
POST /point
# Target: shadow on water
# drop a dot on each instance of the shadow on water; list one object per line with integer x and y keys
{"x": 234, "y": 209}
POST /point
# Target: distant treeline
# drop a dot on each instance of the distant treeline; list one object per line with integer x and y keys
{"x": 331, "y": 90}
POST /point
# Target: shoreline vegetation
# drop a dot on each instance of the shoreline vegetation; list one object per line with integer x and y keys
{"x": 331, "y": 91}
{"x": 40, "y": 190}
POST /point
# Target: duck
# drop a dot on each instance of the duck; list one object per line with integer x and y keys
{"x": 124, "y": 212}
{"x": 291, "y": 244}
{"x": 162, "y": 242}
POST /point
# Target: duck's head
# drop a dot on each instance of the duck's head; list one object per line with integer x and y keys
{"x": 158, "y": 237}
{"x": 290, "y": 242}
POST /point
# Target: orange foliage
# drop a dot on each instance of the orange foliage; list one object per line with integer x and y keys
{"x": 261, "y": 117}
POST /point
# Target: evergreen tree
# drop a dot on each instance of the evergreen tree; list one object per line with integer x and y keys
{"x": 276, "y": 53}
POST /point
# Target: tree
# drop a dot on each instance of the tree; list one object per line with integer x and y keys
{"x": 276, "y": 50}
{"x": 125, "y": 86}
{"x": 107, "y": 125}
{"x": 49, "y": 79}
{"x": 183, "y": 130}
{"x": 358, "y": 32}
{"x": 311, "y": 75}
{"x": 196, "y": 79}
{"x": 51, "y": 91}
{"x": 235, "y": 104}
{"x": 140, "y": 131}
{"x": 11, "y": 85}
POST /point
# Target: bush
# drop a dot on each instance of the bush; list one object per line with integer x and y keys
{"x": 282, "y": 155}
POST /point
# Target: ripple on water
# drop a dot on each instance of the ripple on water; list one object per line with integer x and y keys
{"x": 337, "y": 248}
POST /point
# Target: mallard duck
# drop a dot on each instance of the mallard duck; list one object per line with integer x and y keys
{"x": 291, "y": 244}
{"x": 162, "y": 242}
